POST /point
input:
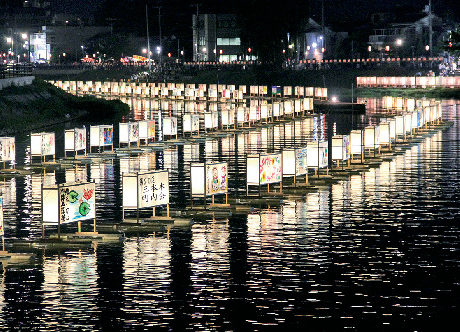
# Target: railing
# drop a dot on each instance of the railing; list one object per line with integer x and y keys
{"x": 15, "y": 70}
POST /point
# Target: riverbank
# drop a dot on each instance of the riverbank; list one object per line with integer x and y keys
{"x": 40, "y": 104}
{"x": 441, "y": 93}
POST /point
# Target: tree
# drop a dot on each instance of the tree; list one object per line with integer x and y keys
{"x": 452, "y": 45}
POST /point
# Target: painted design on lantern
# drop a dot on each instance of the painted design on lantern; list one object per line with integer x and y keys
{"x": 107, "y": 136}
{"x": 77, "y": 203}
{"x": 216, "y": 178}
{"x": 151, "y": 129}
{"x": 133, "y": 131}
{"x": 47, "y": 144}
{"x": 301, "y": 161}
{"x": 7, "y": 149}
{"x": 270, "y": 169}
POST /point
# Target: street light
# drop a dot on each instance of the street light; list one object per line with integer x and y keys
{"x": 314, "y": 45}
{"x": 9, "y": 40}
{"x": 398, "y": 42}
{"x": 24, "y": 36}
{"x": 427, "y": 48}
{"x": 144, "y": 50}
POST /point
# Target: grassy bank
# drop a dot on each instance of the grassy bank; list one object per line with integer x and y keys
{"x": 440, "y": 93}
{"x": 28, "y": 107}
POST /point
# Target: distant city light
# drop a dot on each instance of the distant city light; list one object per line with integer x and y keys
{"x": 182, "y": 52}
{"x": 249, "y": 50}
{"x": 169, "y": 55}
{"x": 214, "y": 51}
{"x": 308, "y": 47}
{"x": 314, "y": 45}
{"x": 398, "y": 42}
{"x": 322, "y": 49}
{"x": 158, "y": 49}
{"x": 9, "y": 40}
{"x": 64, "y": 54}
{"x": 24, "y": 35}
{"x": 334, "y": 99}
{"x": 427, "y": 47}
{"x": 387, "y": 48}
{"x": 220, "y": 51}
{"x": 144, "y": 50}
{"x": 204, "y": 49}
{"x": 321, "y": 37}
{"x": 284, "y": 51}
{"x": 369, "y": 48}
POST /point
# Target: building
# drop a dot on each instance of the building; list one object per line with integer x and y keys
{"x": 216, "y": 37}
{"x": 314, "y": 42}
{"x": 407, "y": 39}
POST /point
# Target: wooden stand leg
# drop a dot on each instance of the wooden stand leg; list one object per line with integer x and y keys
{"x": 79, "y": 227}
{"x": 167, "y": 210}
{"x": 94, "y": 226}
{"x": 43, "y": 231}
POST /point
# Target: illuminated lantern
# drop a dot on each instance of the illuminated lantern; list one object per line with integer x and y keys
{"x": 75, "y": 140}
{"x": 147, "y": 130}
{"x": 385, "y": 138}
{"x": 129, "y": 133}
{"x": 67, "y": 203}
{"x": 145, "y": 190}
{"x": 407, "y": 123}
{"x": 295, "y": 162}
{"x": 191, "y": 123}
{"x": 399, "y": 125}
{"x": 42, "y": 145}
{"x": 264, "y": 169}
{"x": 101, "y": 136}
{"x": 211, "y": 120}
{"x": 357, "y": 142}
{"x": 317, "y": 155}
{"x": 170, "y": 126}
{"x": 7, "y": 150}
{"x": 228, "y": 117}
{"x": 209, "y": 179}
{"x": 371, "y": 137}
{"x": 340, "y": 148}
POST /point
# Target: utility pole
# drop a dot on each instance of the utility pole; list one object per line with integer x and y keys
{"x": 197, "y": 31}
{"x": 159, "y": 30}
{"x": 148, "y": 37}
{"x": 430, "y": 19}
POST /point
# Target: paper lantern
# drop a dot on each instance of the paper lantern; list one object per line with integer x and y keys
{"x": 42, "y": 144}
{"x": 75, "y": 140}
{"x": 128, "y": 132}
{"x": 170, "y": 126}
{"x": 101, "y": 135}
{"x": 264, "y": 111}
{"x": 340, "y": 147}
{"x": 253, "y": 116}
{"x": 287, "y": 106}
{"x": 371, "y": 137}
{"x": 276, "y": 109}
{"x": 7, "y": 149}
{"x": 191, "y": 123}
{"x": 207, "y": 179}
{"x": 297, "y": 106}
{"x": 392, "y": 128}
{"x": 145, "y": 189}
{"x": 68, "y": 202}
{"x": 147, "y": 130}
{"x": 211, "y": 120}
{"x": 241, "y": 115}
{"x": 317, "y": 154}
{"x": 228, "y": 117}
{"x": 357, "y": 142}
{"x": 264, "y": 169}
{"x": 384, "y": 133}
{"x": 295, "y": 162}
{"x": 399, "y": 125}
{"x": 407, "y": 123}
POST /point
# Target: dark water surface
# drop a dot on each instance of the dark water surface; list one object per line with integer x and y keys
{"x": 379, "y": 250}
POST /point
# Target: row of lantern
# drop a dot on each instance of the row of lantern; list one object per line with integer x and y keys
{"x": 75, "y": 202}
{"x": 396, "y": 103}
{"x": 266, "y": 169}
{"x": 144, "y": 131}
{"x": 409, "y": 82}
{"x": 187, "y": 91}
